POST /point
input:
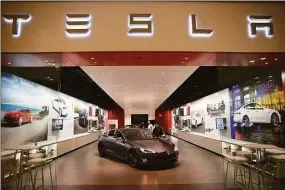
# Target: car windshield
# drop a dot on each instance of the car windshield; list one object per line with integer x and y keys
{"x": 21, "y": 110}
{"x": 137, "y": 134}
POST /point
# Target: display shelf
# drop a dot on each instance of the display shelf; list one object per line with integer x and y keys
{"x": 61, "y": 146}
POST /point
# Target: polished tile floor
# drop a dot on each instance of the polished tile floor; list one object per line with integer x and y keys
{"x": 197, "y": 168}
{"x": 82, "y": 169}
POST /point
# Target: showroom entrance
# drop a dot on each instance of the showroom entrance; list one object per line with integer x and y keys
{"x": 88, "y": 72}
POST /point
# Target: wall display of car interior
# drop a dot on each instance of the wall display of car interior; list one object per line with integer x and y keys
{"x": 97, "y": 118}
{"x": 250, "y": 112}
{"x": 203, "y": 114}
{"x": 31, "y": 112}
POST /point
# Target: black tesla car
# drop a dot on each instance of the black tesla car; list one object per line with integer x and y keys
{"x": 137, "y": 147}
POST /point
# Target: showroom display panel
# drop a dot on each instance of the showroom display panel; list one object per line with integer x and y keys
{"x": 204, "y": 114}
{"x": 251, "y": 111}
{"x": 33, "y": 113}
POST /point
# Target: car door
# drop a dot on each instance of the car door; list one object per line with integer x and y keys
{"x": 120, "y": 147}
{"x": 250, "y": 112}
{"x": 25, "y": 115}
{"x": 110, "y": 140}
{"x": 260, "y": 115}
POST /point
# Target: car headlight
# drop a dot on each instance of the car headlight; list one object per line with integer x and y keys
{"x": 147, "y": 150}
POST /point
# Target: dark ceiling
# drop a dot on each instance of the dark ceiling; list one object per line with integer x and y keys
{"x": 72, "y": 81}
{"x": 207, "y": 80}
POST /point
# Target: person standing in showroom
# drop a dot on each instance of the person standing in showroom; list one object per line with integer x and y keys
{"x": 150, "y": 126}
{"x": 157, "y": 131}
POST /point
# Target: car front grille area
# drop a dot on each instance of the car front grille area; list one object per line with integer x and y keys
{"x": 160, "y": 157}
{"x": 8, "y": 119}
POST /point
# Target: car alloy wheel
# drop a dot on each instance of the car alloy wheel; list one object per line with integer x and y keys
{"x": 133, "y": 159}
{"x": 245, "y": 120}
{"x": 101, "y": 150}
{"x": 274, "y": 120}
{"x": 20, "y": 121}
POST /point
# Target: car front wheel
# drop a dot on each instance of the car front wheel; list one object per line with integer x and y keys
{"x": 20, "y": 121}
{"x": 101, "y": 150}
{"x": 133, "y": 159}
{"x": 245, "y": 120}
{"x": 274, "y": 120}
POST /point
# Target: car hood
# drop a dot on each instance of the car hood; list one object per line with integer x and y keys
{"x": 155, "y": 144}
{"x": 13, "y": 112}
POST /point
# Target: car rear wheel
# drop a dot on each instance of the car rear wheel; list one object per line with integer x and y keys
{"x": 20, "y": 121}
{"x": 245, "y": 120}
{"x": 274, "y": 120}
{"x": 101, "y": 150}
{"x": 133, "y": 159}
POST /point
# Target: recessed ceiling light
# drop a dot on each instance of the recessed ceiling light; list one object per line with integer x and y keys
{"x": 122, "y": 85}
{"x": 263, "y": 58}
{"x": 183, "y": 62}
{"x": 95, "y": 62}
{"x": 186, "y": 58}
{"x": 110, "y": 73}
{"x": 9, "y": 63}
{"x": 162, "y": 73}
{"x": 276, "y": 59}
{"x": 53, "y": 64}
{"x": 92, "y": 57}
{"x": 117, "y": 85}
{"x": 125, "y": 93}
{"x": 103, "y": 73}
{"x": 166, "y": 85}
{"x": 252, "y": 61}
{"x": 51, "y": 79}
{"x": 266, "y": 63}
{"x": 157, "y": 85}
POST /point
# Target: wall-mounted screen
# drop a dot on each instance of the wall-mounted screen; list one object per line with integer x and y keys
{"x": 181, "y": 111}
{"x": 221, "y": 123}
{"x": 57, "y": 124}
{"x": 97, "y": 112}
{"x": 139, "y": 118}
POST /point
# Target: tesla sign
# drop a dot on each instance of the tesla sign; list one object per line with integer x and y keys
{"x": 142, "y": 25}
